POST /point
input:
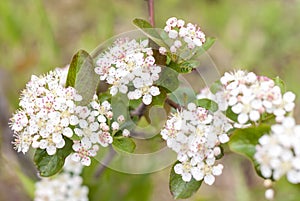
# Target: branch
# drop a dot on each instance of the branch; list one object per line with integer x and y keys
{"x": 139, "y": 111}
{"x": 173, "y": 104}
{"x": 108, "y": 158}
{"x": 151, "y": 12}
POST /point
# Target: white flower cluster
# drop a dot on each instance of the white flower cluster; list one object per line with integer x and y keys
{"x": 47, "y": 111}
{"x": 278, "y": 153}
{"x": 195, "y": 135}
{"x": 66, "y": 186}
{"x": 129, "y": 67}
{"x": 95, "y": 127}
{"x": 250, "y": 96}
{"x": 182, "y": 37}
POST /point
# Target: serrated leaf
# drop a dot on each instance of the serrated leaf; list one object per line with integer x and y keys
{"x": 82, "y": 76}
{"x": 243, "y": 141}
{"x": 124, "y": 144}
{"x": 208, "y": 104}
{"x": 181, "y": 189}
{"x": 280, "y": 83}
{"x": 50, "y": 165}
{"x": 149, "y": 31}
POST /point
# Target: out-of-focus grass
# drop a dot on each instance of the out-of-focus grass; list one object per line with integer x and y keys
{"x": 36, "y": 36}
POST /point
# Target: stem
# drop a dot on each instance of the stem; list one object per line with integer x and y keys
{"x": 173, "y": 104}
{"x": 139, "y": 111}
{"x": 108, "y": 158}
{"x": 151, "y": 11}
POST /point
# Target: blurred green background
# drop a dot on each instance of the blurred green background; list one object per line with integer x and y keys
{"x": 36, "y": 36}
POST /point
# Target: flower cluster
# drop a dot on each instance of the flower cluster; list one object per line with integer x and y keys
{"x": 182, "y": 38}
{"x": 95, "y": 127}
{"x": 278, "y": 153}
{"x": 65, "y": 186}
{"x": 129, "y": 67}
{"x": 250, "y": 96}
{"x": 195, "y": 135}
{"x": 47, "y": 111}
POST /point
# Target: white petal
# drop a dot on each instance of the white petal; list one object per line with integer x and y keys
{"x": 86, "y": 161}
{"x": 147, "y": 99}
{"x": 209, "y": 179}
{"x": 197, "y": 173}
{"x": 254, "y": 115}
{"x": 186, "y": 176}
{"x": 51, "y": 150}
{"x": 68, "y": 132}
{"x": 243, "y": 118}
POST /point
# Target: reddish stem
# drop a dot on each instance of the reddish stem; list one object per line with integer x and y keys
{"x": 151, "y": 11}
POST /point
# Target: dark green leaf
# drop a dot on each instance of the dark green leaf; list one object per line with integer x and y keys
{"x": 231, "y": 115}
{"x": 49, "y": 165}
{"x": 82, "y": 76}
{"x": 279, "y": 82}
{"x": 183, "y": 67}
{"x": 168, "y": 79}
{"x": 124, "y": 144}
{"x": 180, "y": 188}
{"x": 243, "y": 141}
{"x": 149, "y": 31}
{"x": 208, "y": 104}
{"x": 160, "y": 99}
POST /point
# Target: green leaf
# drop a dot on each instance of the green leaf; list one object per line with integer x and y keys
{"x": 149, "y": 31}
{"x": 208, "y": 43}
{"x": 168, "y": 79}
{"x": 49, "y": 165}
{"x": 180, "y": 188}
{"x": 160, "y": 99}
{"x": 231, "y": 115}
{"x": 124, "y": 144}
{"x": 183, "y": 67}
{"x": 216, "y": 87}
{"x": 243, "y": 141}
{"x": 82, "y": 76}
{"x": 208, "y": 104}
{"x": 279, "y": 82}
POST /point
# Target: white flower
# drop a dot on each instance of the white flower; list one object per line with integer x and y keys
{"x": 278, "y": 152}
{"x": 251, "y": 96}
{"x": 127, "y": 63}
{"x": 182, "y": 37}
{"x": 64, "y": 186}
{"x": 195, "y": 134}
{"x": 83, "y": 153}
{"x": 47, "y": 110}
